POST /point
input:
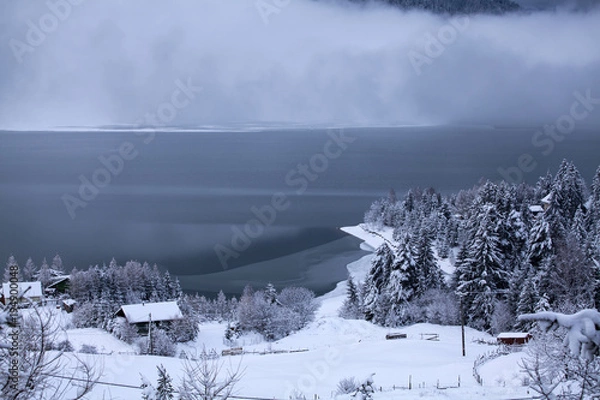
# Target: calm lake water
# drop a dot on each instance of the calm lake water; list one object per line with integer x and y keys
{"x": 181, "y": 199}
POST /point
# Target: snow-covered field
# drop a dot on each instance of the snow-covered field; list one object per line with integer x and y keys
{"x": 335, "y": 349}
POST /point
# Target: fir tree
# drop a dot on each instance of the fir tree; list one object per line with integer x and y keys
{"x": 377, "y": 280}
{"x": 529, "y": 299}
{"x": 540, "y": 243}
{"x": 571, "y": 276}
{"x": 404, "y": 279}
{"x": 578, "y": 228}
{"x": 270, "y": 293}
{"x": 543, "y": 186}
{"x": 351, "y": 307}
{"x": 29, "y": 271}
{"x": 594, "y": 214}
{"x": 57, "y": 265}
{"x": 44, "y": 275}
{"x": 430, "y": 275}
{"x": 164, "y": 388}
{"x": 482, "y": 273}
{"x": 567, "y": 195}
{"x": 11, "y": 263}
{"x": 221, "y": 307}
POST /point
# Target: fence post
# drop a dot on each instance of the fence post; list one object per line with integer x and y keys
{"x": 410, "y": 382}
{"x": 459, "y": 381}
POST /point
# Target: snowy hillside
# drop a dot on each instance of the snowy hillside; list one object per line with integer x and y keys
{"x": 334, "y": 348}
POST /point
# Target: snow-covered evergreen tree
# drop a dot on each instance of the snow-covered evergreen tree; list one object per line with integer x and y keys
{"x": 482, "y": 273}
{"x": 529, "y": 299}
{"x": 377, "y": 280}
{"x": 430, "y": 275}
{"x": 571, "y": 277}
{"x": 594, "y": 211}
{"x": 270, "y": 293}
{"x": 164, "y": 387}
{"x": 540, "y": 246}
{"x": 44, "y": 275}
{"x": 221, "y": 307}
{"x": 403, "y": 281}
{"x": 567, "y": 195}
{"x": 351, "y": 309}
{"x": 57, "y": 265}
{"x": 11, "y": 263}
{"x": 29, "y": 271}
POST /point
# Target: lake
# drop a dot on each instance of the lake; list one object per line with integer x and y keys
{"x": 223, "y": 208}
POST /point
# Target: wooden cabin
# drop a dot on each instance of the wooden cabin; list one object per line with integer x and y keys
{"x": 143, "y": 314}
{"x": 32, "y": 292}
{"x": 514, "y": 338}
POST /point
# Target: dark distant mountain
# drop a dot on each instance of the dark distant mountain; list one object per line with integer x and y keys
{"x": 456, "y": 6}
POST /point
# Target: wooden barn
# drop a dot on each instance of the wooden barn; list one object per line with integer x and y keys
{"x": 32, "y": 290}
{"x": 59, "y": 285}
{"x": 514, "y": 338}
{"x": 156, "y": 313}
{"x": 68, "y": 305}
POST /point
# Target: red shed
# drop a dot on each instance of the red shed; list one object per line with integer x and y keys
{"x": 514, "y": 338}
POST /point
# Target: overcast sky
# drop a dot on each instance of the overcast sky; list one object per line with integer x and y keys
{"x": 112, "y": 61}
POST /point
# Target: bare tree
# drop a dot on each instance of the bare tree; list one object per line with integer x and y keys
{"x": 30, "y": 367}
{"x": 203, "y": 380}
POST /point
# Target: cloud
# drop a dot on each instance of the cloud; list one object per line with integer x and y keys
{"x": 110, "y": 62}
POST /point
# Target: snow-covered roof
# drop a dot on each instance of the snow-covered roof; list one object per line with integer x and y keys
{"x": 547, "y": 199}
{"x": 58, "y": 279}
{"x": 513, "y": 335}
{"x": 35, "y": 291}
{"x": 165, "y": 311}
{"x": 69, "y": 302}
{"x": 536, "y": 209}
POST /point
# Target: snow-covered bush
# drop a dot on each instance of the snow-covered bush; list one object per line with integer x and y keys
{"x": 64, "y": 346}
{"x": 365, "y": 390}
{"x": 82, "y": 316}
{"x": 88, "y": 349}
{"x": 347, "y": 386}
{"x": 183, "y": 330}
{"x": 276, "y": 317}
{"x": 301, "y": 302}
{"x": 125, "y": 331}
{"x": 161, "y": 344}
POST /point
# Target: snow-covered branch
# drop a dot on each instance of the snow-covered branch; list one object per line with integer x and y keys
{"x": 583, "y": 336}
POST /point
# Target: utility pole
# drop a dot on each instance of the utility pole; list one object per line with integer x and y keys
{"x": 462, "y": 327}
{"x": 150, "y": 350}
{"x": 462, "y": 314}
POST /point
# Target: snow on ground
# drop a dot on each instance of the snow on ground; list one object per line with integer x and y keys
{"x": 339, "y": 349}
{"x": 372, "y": 240}
{"x": 335, "y": 348}
{"x": 104, "y": 342}
{"x": 504, "y": 371}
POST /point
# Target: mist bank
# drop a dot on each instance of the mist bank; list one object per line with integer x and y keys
{"x": 205, "y": 62}
{"x": 209, "y": 62}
